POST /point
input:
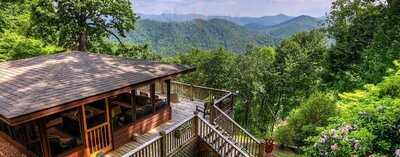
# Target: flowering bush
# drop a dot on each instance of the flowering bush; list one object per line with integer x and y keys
{"x": 344, "y": 141}
{"x": 368, "y": 123}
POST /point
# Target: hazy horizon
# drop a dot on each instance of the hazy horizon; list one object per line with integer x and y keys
{"x": 234, "y": 8}
{"x": 226, "y": 15}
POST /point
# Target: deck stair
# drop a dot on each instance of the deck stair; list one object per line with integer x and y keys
{"x": 219, "y": 113}
{"x": 215, "y": 128}
{"x": 220, "y": 143}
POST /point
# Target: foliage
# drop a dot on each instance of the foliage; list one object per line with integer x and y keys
{"x": 366, "y": 42}
{"x": 128, "y": 51}
{"x": 14, "y": 46}
{"x": 300, "y": 63}
{"x": 14, "y": 41}
{"x": 305, "y": 120}
{"x": 270, "y": 81}
{"x": 213, "y": 68}
{"x": 371, "y": 119}
{"x": 76, "y": 24}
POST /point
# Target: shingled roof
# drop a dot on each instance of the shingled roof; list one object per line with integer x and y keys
{"x": 39, "y": 83}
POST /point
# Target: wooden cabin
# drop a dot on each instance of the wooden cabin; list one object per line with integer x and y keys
{"x": 79, "y": 104}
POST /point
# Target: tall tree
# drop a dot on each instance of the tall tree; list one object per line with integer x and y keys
{"x": 75, "y": 23}
{"x": 366, "y": 41}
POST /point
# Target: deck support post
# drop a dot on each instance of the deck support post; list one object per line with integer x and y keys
{"x": 163, "y": 135}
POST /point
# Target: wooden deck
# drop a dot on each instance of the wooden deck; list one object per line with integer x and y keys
{"x": 180, "y": 112}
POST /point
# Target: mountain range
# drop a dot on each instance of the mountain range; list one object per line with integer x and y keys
{"x": 265, "y": 20}
{"x": 168, "y": 34}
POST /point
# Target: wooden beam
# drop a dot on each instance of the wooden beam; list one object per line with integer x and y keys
{"x": 44, "y": 141}
{"x": 82, "y": 123}
{"x": 86, "y": 150}
{"x": 133, "y": 103}
{"x": 168, "y": 83}
{"x": 153, "y": 96}
{"x": 108, "y": 122}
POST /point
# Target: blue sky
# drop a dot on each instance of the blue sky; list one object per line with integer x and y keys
{"x": 253, "y": 8}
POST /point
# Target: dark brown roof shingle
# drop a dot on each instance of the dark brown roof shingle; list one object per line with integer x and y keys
{"x": 35, "y": 84}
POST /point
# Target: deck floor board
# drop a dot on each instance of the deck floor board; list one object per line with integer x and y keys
{"x": 180, "y": 112}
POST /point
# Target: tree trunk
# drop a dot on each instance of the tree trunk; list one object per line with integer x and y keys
{"x": 82, "y": 45}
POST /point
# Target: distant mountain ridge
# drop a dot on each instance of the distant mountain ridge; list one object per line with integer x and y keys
{"x": 171, "y": 33}
{"x": 265, "y": 20}
{"x": 173, "y": 37}
{"x": 288, "y": 28}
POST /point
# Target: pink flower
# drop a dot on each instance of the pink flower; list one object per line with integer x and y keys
{"x": 397, "y": 153}
{"x": 334, "y": 147}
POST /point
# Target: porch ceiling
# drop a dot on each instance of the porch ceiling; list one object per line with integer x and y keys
{"x": 40, "y": 83}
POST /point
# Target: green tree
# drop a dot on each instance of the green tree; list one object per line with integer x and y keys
{"x": 247, "y": 78}
{"x": 15, "y": 43}
{"x": 76, "y": 24}
{"x": 300, "y": 63}
{"x": 366, "y": 39}
{"x": 304, "y": 121}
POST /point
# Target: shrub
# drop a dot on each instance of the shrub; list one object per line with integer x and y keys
{"x": 374, "y": 117}
{"x": 304, "y": 121}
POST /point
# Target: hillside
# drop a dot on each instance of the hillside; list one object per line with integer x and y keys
{"x": 174, "y": 37}
{"x": 287, "y": 28}
{"x": 263, "y": 21}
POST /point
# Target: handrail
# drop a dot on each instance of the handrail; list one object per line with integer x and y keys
{"x": 202, "y": 87}
{"x": 179, "y": 124}
{"x": 143, "y": 146}
{"x": 223, "y": 98}
{"x": 235, "y": 123}
{"x": 237, "y": 134}
{"x": 242, "y": 153}
{"x": 158, "y": 143}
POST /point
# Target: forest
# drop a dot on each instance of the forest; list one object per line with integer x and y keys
{"x": 332, "y": 91}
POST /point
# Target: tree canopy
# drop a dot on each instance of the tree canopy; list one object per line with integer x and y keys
{"x": 76, "y": 24}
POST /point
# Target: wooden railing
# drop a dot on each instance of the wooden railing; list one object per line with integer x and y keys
{"x": 217, "y": 141}
{"x": 221, "y": 113}
{"x": 180, "y": 135}
{"x": 170, "y": 141}
{"x": 194, "y": 92}
{"x": 151, "y": 148}
{"x": 237, "y": 134}
{"x": 98, "y": 138}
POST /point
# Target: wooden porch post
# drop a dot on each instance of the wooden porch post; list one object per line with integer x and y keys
{"x": 133, "y": 103}
{"x": 162, "y": 87}
{"x": 44, "y": 141}
{"x": 153, "y": 96}
{"x": 168, "y": 82}
{"x": 86, "y": 150}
